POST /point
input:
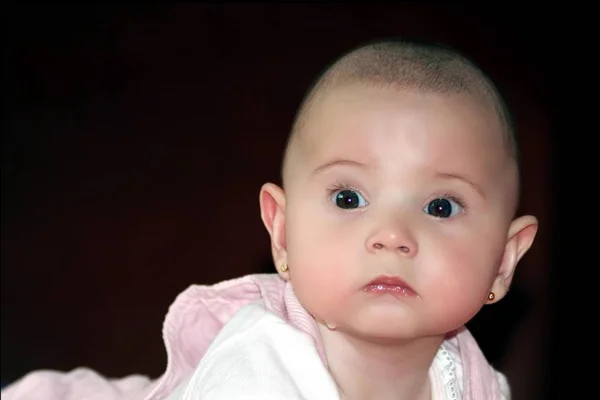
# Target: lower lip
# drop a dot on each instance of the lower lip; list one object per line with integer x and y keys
{"x": 397, "y": 290}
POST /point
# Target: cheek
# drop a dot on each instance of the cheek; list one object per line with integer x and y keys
{"x": 457, "y": 267}
{"x": 320, "y": 265}
{"x": 462, "y": 262}
{"x": 459, "y": 280}
{"x": 315, "y": 236}
{"x": 320, "y": 283}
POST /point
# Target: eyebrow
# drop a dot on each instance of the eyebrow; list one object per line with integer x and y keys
{"x": 352, "y": 163}
{"x": 476, "y": 187}
{"x": 338, "y": 162}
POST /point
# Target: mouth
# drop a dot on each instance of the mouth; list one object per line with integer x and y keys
{"x": 386, "y": 284}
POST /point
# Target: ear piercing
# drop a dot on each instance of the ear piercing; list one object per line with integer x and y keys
{"x": 284, "y": 267}
{"x": 491, "y": 296}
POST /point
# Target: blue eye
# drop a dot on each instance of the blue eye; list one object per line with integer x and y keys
{"x": 443, "y": 208}
{"x": 348, "y": 199}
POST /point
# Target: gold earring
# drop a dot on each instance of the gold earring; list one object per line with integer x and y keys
{"x": 284, "y": 267}
{"x": 491, "y": 296}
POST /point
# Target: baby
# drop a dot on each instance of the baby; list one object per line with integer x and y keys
{"x": 394, "y": 226}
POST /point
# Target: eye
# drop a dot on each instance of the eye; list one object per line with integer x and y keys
{"x": 443, "y": 208}
{"x": 348, "y": 199}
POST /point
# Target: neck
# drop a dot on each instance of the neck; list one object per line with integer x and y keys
{"x": 379, "y": 370}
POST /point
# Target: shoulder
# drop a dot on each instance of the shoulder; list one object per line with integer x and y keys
{"x": 257, "y": 354}
{"x": 473, "y": 373}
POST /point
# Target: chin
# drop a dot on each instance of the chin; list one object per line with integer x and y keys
{"x": 387, "y": 329}
{"x": 386, "y": 336}
{"x": 388, "y": 324}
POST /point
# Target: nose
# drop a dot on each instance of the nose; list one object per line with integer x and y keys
{"x": 392, "y": 240}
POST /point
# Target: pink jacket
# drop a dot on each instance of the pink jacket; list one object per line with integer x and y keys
{"x": 193, "y": 321}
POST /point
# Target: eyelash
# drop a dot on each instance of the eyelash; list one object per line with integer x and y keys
{"x": 342, "y": 186}
{"x": 444, "y": 195}
{"x": 458, "y": 200}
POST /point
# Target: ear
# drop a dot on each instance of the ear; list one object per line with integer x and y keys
{"x": 521, "y": 234}
{"x": 272, "y": 212}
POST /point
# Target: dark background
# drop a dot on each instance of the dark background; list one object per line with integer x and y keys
{"x": 136, "y": 139}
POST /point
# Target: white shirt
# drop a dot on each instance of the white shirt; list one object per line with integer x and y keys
{"x": 258, "y": 355}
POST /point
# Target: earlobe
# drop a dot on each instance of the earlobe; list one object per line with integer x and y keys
{"x": 272, "y": 211}
{"x": 521, "y": 235}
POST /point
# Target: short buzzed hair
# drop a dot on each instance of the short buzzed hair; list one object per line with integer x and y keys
{"x": 410, "y": 65}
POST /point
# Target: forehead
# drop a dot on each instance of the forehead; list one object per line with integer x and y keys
{"x": 386, "y": 123}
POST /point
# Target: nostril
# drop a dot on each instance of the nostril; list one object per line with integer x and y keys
{"x": 378, "y": 246}
{"x": 404, "y": 249}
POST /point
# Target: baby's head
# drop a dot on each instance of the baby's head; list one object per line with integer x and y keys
{"x": 402, "y": 162}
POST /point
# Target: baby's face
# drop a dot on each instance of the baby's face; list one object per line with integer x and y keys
{"x": 386, "y": 182}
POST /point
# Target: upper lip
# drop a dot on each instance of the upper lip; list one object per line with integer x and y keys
{"x": 390, "y": 280}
